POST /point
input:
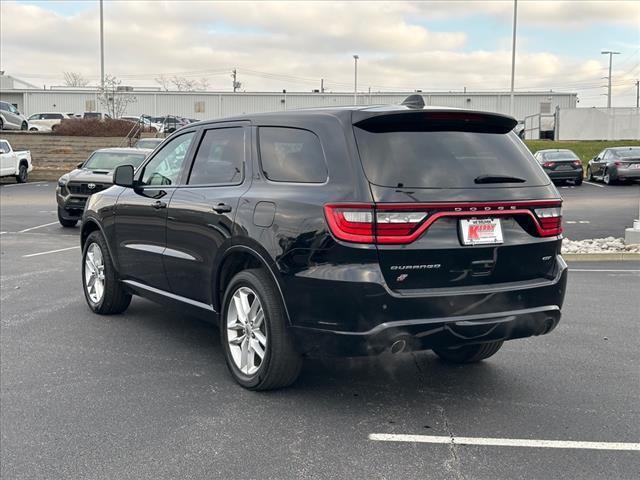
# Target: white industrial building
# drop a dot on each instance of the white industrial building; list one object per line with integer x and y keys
{"x": 211, "y": 105}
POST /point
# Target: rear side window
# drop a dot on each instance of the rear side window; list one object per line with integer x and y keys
{"x": 220, "y": 158}
{"x": 291, "y": 155}
{"x": 416, "y": 155}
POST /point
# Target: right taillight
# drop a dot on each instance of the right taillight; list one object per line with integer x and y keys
{"x": 550, "y": 220}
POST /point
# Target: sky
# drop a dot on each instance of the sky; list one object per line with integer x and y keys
{"x": 403, "y": 46}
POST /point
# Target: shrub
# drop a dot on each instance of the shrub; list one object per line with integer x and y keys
{"x": 79, "y": 127}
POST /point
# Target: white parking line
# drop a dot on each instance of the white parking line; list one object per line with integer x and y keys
{"x": 23, "y": 184}
{"x": 603, "y": 270}
{"x": 505, "y": 442}
{"x": 39, "y": 226}
{"x": 594, "y": 184}
{"x": 50, "y": 251}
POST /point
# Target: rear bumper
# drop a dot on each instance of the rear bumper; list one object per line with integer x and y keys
{"x": 426, "y": 334}
{"x": 565, "y": 175}
{"x": 366, "y": 320}
{"x": 627, "y": 173}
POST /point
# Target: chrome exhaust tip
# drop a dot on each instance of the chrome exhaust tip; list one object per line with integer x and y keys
{"x": 398, "y": 346}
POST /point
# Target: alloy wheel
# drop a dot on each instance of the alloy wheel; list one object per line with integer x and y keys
{"x": 94, "y": 273}
{"x": 246, "y": 331}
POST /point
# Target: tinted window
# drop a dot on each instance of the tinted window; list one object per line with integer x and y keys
{"x": 444, "y": 159}
{"x": 627, "y": 153}
{"x": 291, "y": 155}
{"x": 110, "y": 160}
{"x": 166, "y": 166}
{"x": 92, "y": 115}
{"x": 560, "y": 156}
{"x": 4, "y": 147}
{"x": 220, "y": 158}
{"x": 52, "y": 116}
{"x": 4, "y": 106}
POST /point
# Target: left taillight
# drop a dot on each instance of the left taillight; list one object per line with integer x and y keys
{"x": 550, "y": 220}
{"x": 362, "y": 223}
{"x": 350, "y": 223}
{"x": 549, "y": 164}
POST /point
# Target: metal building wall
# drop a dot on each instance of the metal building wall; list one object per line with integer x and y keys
{"x": 211, "y": 105}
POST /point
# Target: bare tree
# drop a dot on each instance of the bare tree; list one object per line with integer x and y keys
{"x": 184, "y": 84}
{"x": 113, "y": 97}
{"x": 75, "y": 79}
{"x": 203, "y": 84}
{"x": 164, "y": 82}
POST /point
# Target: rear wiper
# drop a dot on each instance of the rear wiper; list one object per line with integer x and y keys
{"x": 498, "y": 179}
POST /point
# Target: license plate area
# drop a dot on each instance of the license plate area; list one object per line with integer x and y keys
{"x": 481, "y": 231}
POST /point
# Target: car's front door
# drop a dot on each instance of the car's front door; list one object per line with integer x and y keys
{"x": 201, "y": 212}
{"x": 141, "y": 214}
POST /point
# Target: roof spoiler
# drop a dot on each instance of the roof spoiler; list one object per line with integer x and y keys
{"x": 414, "y": 102}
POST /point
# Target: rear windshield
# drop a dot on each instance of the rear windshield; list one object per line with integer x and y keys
{"x": 446, "y": 159}
{"x": 110, "y": 160}
{"x": 560, "y": 156}
{"x": 630, "y": 153}
{"x": 147, "y": 143}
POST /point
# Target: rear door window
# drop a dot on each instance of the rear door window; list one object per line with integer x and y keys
{"x": 417, "y": 153}
{"x": 291, "y": 155}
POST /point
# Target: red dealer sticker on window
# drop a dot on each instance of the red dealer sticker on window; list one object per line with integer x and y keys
{"x": 481, "y": 231}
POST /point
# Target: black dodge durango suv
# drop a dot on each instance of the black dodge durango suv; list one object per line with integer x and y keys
{"x": 345, "y": 231}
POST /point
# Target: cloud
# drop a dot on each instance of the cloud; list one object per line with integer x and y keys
{"x": 292, "y": 45}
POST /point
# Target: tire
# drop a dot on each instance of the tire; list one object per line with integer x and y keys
{"x": 589, "y": 175}
{"x": 468, "y": 353}
{"x": 113, "y": 298}
{"x": 280, "y": 364}
{"x": 606, "y": 178}
{"x": 1, "y": 124}
{"x": 24, "y": 126}
{"x": 577, "y": 182}
{"x": 23, "y": 174}
{"x": 33, "y": 129}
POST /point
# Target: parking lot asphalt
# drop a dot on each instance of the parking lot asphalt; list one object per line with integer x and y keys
{"x": 146, "y": 394}
{"x": 596, "y": 210}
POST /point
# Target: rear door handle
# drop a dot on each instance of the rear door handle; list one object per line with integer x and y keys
{"x": 222, "y": 208}
{"x": 159, "y": 204}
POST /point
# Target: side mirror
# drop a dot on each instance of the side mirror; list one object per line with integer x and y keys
{"x": 123, "y": 176}
{"x": 80, "y": 165}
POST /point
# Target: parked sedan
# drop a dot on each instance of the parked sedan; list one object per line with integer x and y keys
{"x": 616, "y": 164}
{"x": 560, "y": 165}
{"x": 91, "y": 176}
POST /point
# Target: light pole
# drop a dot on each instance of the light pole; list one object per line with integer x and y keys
{"x": 611, "y": 54}
{"x": 101, "y": 48}
{"x": 355, "y": 79}
{"x": 513, "y": 55}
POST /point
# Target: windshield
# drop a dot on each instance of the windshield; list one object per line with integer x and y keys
{"x": 445, "y": 159}
{"x": 110, "y": 160}
{"x": 147, "y": 143}
{"x": 628, "y": 153}
{"x": 560, "y": 156}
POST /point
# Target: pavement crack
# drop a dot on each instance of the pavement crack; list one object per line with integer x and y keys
{"x": 452, "y": 464}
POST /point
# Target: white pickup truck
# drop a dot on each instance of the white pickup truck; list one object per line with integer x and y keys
{"x": 14, "y": 164}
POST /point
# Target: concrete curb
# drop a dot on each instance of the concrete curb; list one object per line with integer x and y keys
{"x": 600, "y": 257}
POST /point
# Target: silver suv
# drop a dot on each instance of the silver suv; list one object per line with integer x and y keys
{"x": 11, "y": 118}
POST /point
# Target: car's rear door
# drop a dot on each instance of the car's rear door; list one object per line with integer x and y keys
{"x": 458, "y": 201}
{"x": 141, "y": 214}
{"x": 201, "y": 212}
